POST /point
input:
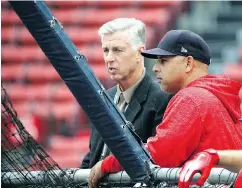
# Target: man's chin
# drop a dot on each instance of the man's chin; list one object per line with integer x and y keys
{"x": 115, "y": 78}
{"x": 166, "y": 89}
{"x": 163, "y": 88}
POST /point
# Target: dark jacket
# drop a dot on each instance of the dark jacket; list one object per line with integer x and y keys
{"x": 145, "y": 111}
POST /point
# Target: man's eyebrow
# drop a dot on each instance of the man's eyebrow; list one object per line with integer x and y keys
{"x": 163, "y": 58}
{"x": 113, "y": 47}
{"x": 117, "y": 46}
{"x": 104, "y": 47}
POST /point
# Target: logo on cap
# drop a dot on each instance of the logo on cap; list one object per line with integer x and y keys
{"x": 183, "y": 49}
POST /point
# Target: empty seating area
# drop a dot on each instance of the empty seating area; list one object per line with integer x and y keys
{"x": 33, "y": 84}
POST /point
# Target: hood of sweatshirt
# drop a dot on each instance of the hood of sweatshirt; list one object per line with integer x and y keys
{"x": 225, "y": 89}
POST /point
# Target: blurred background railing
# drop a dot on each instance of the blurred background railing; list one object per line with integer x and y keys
{"x": 44, "y": 104}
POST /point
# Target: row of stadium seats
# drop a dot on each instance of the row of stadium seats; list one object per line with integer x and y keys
{"x": 85, "y": 17}
{"x": 61, "y": 110}
{"x": 41, "y": 73}
{"x": 39, "y": 92}
{"x": 77, "y": 34}
{"x": 112, "y": 4}
{"x": 107, "y": 4}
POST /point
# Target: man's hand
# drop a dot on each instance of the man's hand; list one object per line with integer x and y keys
{"x": 95, "y": 175}
{"x": 201, "y": 163}
{"x": 109, "y": 165}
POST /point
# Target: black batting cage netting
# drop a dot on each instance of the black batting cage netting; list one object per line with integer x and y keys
{"x": 21, "y": 154}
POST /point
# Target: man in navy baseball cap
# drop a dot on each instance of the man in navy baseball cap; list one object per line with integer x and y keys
{"x": 183, "y": 43}
{"x": 182, "y": 57}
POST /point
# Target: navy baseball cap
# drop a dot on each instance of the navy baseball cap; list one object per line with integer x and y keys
{"x": 183, "y": 43}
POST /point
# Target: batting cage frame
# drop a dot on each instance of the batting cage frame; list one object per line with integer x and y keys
{"x": 115, "y": 130}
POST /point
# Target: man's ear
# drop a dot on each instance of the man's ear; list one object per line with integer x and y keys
{"x": 190, "y": 63}
{"x": 140, "y": 49}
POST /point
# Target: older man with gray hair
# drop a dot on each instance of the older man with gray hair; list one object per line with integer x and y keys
{"x": 136, "y": 94}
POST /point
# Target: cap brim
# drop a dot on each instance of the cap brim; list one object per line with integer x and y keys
{"x": 155, "y": 53}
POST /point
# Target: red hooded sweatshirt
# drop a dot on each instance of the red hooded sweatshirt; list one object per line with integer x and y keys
{"x": 203, "y": 115}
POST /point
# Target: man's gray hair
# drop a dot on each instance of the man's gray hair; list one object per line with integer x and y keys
{"x": 136, "y": 29}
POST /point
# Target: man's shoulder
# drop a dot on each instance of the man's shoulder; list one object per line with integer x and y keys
{"x": 193, "y": 92}
{"x": 196, "y": 94}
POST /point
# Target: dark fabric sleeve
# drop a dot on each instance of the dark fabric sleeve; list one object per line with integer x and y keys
{"x": 85, "y": 162}
{"x": 86, "y": 159}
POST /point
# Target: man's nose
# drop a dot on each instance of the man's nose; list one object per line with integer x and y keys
{"x": 109, "y": 57}
{"x": 155, "y": 68}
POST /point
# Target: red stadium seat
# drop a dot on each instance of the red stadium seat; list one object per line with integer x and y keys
{"x": 9, "y": 17}
{"x": 61, "y": 110}
{"x": 22, "y": 92}
{"x": 62, "y": 93}
{"x": 8, "y": 34}
{"x": 25, "y": 37}
{"x": 23, "y": 53}
{"x": 158, "y": 16}
{"x": 39, "y": 73}
{"x": 39, "y": 92}
{"x": 10, "y": 72}
{"x": 93, "y": 53}
{"x": 80, "y": 35}
{"x": 17, "y": 34}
